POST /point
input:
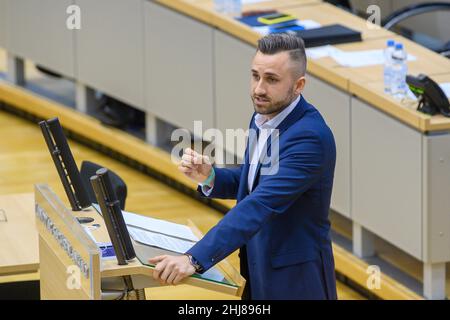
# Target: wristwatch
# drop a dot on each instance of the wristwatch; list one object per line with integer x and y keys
{"x": 194, "y": 263}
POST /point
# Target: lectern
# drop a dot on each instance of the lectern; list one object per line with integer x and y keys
{"x": 72, "y": 265}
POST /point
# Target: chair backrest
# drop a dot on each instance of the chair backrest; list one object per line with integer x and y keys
{"x": 89, "y": 168}
{"x": 413, "y": 10}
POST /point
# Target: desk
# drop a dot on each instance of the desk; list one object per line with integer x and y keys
{"x": 203, "y": 10}
{"x": 326, "y": 14}
{"x": 18, "y": 235}
{"x": 433, "y": 63}
{"x": 205, "y": 55}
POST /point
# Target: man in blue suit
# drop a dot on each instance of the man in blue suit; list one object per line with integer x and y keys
{"x": 280, "y": 222}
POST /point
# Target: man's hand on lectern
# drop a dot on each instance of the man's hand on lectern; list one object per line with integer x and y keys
{"x": 171, "y": 269}
{"x": 195, "y": 166}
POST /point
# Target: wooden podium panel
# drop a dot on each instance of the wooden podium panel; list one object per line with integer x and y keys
{"x": 71, "y": 262}
{"x": 69, "y": 259}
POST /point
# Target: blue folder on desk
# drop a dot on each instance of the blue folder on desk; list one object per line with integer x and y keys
{"x": 285, "y": 27}
{"x": 252, "y": 20}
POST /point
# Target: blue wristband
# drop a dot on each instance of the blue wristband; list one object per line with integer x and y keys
{"x": 210, "y": 179}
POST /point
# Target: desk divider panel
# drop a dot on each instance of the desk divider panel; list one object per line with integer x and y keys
{"x": 3, "y": 14}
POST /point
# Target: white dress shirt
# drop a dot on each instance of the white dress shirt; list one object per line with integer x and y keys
{"x": 266, "y": 128}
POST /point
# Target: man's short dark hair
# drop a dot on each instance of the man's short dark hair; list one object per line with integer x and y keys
{"x": 280, "y": 42}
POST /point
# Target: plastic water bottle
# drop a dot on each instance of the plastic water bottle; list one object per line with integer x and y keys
{"x": 399, "y": 72}
{"x": 231, "y": 7}
{"x": 234, "y": 8}
{"x": 220, "y": 6}
{"x": 388, "y": 52}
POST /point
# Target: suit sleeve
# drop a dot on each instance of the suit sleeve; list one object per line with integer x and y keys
{"x": 299, "y": 167}
{"x": 226, "y": 183}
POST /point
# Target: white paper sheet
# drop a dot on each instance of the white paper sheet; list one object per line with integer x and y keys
{"x": 309, "y": 24}
{"x": 363, "y": 58}
{"x": 156, "y": 225}
{"x": 159, "y": 240}
{"x": 172, "y": 244}
{"x": 252, "y": 1}
{"x": 321, "y": 52}
{"x": 410, "y": 95}
{"x": 99, "y": 244}
{"x": 160, "y": 226}
{"x": 213, "y": 274}
{"x": 446, "y": 88}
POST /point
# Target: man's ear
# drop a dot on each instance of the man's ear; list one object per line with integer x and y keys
{"x": 300, "y": 85}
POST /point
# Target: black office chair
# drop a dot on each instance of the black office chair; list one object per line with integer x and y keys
{"x": 402, "y": 14}
{"x": 88, "y": 170}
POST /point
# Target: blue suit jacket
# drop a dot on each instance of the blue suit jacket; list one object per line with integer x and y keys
{"x": 282, "y": 226}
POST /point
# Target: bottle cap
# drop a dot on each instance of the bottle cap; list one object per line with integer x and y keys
{"x": 399, "y": 46}
{"x": 390, "y": 43}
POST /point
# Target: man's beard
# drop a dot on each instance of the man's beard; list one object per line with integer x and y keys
{"x": 273, "y": 107}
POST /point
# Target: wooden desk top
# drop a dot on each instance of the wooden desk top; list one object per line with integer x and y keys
{"x": 329, "y": 70}
{"x": 367, "y": 83}
{"x": 426, "y": 61}
{"x": 323, "y": 13}
{"x": 18, "y": 235}
{"x": 353, "y": 80}
{"x": 373, "y": 93}
{"x": 203, "y": 10}
{"x": 327, "y": 14}
{"x": 268, "y": 4}
{"x": 364, "y": 81}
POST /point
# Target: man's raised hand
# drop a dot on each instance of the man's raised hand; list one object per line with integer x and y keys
{"x": 195, "y": 166}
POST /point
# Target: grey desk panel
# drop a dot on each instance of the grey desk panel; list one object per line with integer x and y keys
{"x": 3, "y": 23}
{"x": 234, "y": 107}
{"x": 178, "y": 67}
{"x": 37, "y": 30}
{"x": 387, "y": 177}
{"x": 110, "y": 48}
{"x": 334, "y": 105}
{"x": 436, "y": 222}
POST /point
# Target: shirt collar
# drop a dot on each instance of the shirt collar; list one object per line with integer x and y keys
{"x": 261, "y": 120}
